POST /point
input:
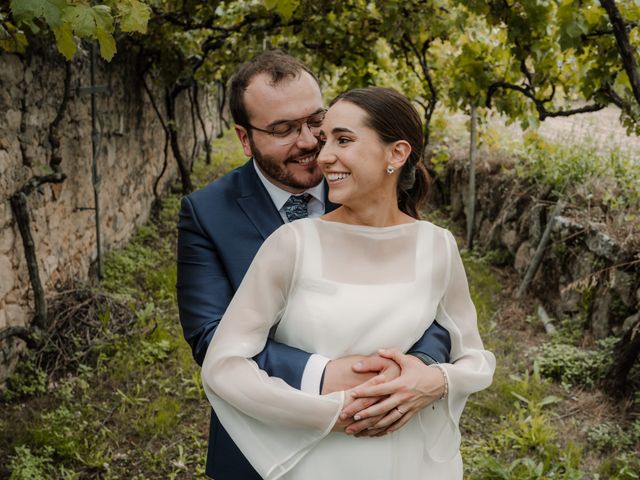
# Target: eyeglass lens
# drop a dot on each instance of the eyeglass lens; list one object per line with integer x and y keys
{"x": 287, "y": 133}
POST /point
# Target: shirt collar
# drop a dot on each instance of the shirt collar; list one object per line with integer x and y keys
{"x": 280, "y": 196}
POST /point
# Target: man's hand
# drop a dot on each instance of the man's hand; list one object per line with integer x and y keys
{"x": 358, "y": 371}
{"x": 339, "y": 374}
{"x": 351, "y": 371}
{"x": 417, "y": 386}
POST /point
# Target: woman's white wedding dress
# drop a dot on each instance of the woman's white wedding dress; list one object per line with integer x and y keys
{"x": 338, "y": 289}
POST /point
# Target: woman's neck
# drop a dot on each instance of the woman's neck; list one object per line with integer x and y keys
{"x": 371, "y": 216}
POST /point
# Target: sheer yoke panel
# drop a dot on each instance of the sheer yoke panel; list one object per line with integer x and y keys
{"x": 379, "y": 257}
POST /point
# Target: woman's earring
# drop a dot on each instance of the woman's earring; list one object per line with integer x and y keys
{"x": 390, "y": 169}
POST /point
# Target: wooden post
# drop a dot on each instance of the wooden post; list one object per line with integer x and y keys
{"x": 471, "y": 201}
{"x": 92, "y": 90}
{"x": 537, "y": 257}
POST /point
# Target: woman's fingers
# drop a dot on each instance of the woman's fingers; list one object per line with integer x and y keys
{"x": 400, "y": 423}
{"x": 356, "y": 406}
{"x": 393, "y": 354}
{"x": 383, "y": 406}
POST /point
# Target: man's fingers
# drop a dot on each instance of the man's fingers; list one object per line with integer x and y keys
{"x": 370, "y": 432}
{"x": 373, "y": 363}
{"x": 357, "y": 427}
{"x": 376, "y": 389}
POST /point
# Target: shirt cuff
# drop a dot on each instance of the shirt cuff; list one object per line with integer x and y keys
{"x": 313, "y": 374}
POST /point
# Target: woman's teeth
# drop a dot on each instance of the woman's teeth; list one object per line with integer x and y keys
{"x": 332, "y": 177}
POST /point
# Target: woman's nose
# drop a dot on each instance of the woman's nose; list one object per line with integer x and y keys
{"x": 325, "y": 156}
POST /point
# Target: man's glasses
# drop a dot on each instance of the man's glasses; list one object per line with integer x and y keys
{"x": 286, "y": 133}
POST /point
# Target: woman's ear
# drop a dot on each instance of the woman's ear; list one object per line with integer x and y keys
{"x": 400, "y": 152}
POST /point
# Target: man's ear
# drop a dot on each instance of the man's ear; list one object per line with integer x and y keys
{"x": 243, "y": 136}
{"x": 400, "y": 152}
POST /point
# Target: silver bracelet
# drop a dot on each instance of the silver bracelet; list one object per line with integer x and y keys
{"x": 445, "y": 393}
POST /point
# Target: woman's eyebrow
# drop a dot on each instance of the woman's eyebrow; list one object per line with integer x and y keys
{"x": 336, "y": 130}
{"x": 342, "y": 130}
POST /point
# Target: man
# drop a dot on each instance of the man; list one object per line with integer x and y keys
{"x": 277, "y": 107}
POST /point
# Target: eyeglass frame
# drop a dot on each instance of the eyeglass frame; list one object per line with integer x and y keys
{"x": 300, "y": 121}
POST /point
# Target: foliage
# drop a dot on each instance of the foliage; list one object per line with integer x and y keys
{"x": 624, "y": 466}
{"x": 26, "y": 380}
{"x": 609, "y": 436}
{"x": 572, "y": 365}
{"x": 68, "y": 19}
{"x": 524, "y": 442}
{"x": 561, "y": 164}
{"x": 24, "y": 465}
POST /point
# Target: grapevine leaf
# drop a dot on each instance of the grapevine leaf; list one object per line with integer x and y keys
{"x": 27, "y": 10}
{"x": 52, "y": 12}
{"x": 270, "y": 4}
{"x": 81, "y": 19}
{"x": 17, "y": 41}
{"x": 4, "y": 35}
{"x": 103, "y": 18}
{"x": 65, "y": 41}
{"x": 107, "y": 44}
{"x": 134, "y": 16}
{"x": 285, "y": 7}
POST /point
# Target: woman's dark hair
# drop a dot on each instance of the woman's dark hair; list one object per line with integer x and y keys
{"x": 394, "y": 118}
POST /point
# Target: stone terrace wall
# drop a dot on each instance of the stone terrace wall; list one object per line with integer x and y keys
{"x": 131, "y": 159}
{"x": 585, "y": 273}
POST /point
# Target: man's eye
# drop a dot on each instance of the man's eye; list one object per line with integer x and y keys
{"x": 282, "y": 130}
{"x": 315, "y": 121}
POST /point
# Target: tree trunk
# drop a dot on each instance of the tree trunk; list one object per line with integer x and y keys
{"x": 626, "y": 351}
{"x": 185, "y": 174}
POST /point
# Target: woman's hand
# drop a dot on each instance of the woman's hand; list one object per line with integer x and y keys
{"x": 379, "y": 369}
{"x": 418, "y": 386}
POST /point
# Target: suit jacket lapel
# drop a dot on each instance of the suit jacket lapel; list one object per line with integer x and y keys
{"x": 255, "y": 202}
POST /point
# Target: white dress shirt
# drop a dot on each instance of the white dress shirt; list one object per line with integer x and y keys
{"x": 312, "y": 375}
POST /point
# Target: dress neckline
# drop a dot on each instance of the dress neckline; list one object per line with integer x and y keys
{"x": 366, "y": 228}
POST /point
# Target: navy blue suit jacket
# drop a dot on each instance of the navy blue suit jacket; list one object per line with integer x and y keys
{"x": 221, "y": 228}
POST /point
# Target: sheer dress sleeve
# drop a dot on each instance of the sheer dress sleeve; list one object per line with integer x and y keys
{"x": 273, "y": 424}
{"x": 471, "y": 366}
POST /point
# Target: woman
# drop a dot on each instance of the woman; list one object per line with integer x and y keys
{"x": 366, "y": 276}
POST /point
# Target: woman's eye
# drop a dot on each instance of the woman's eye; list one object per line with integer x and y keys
{"x": 343, "y": 140}
{"x": 322, "y": 141}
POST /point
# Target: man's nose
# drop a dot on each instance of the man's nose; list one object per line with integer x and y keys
{"x": 306, "y": 139}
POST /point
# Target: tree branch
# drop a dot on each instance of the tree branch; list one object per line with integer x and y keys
{"x": 625, "y": 48}
{"x": 23, "y": 333}
{"x": 55, "y": 159}
{"x": 543, "y": 113}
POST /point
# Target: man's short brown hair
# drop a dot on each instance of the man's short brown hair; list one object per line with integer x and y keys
{"x": 275, "y": 63}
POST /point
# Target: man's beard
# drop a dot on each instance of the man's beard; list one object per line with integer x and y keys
{"x": 277, "y": 170}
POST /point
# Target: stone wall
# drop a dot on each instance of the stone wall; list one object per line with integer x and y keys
{"x": 131, "y": 158}
{"x": 586, "y": 273}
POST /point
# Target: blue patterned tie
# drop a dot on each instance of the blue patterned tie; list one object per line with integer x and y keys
{"x": 296, "y": 207}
